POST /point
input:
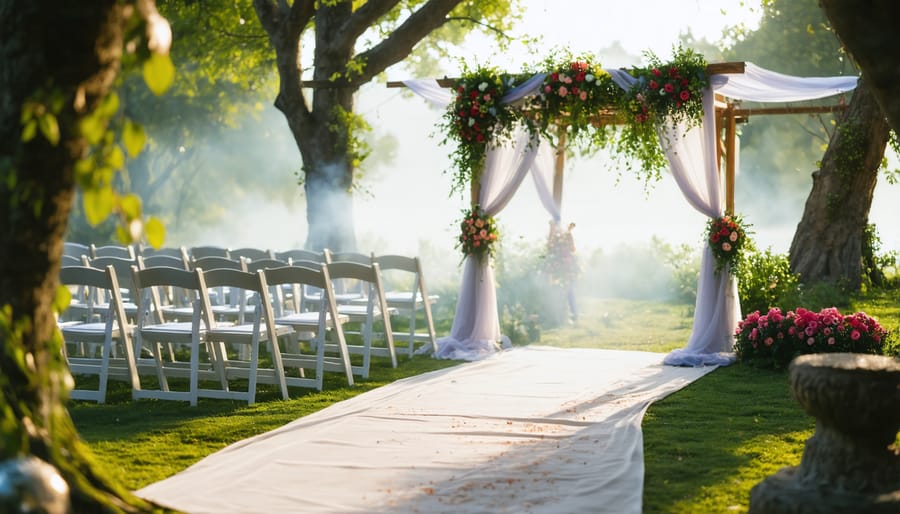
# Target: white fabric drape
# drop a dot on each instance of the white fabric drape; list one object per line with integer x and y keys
{"x": 475, "y": 333}
{"x": 694, "y": 166}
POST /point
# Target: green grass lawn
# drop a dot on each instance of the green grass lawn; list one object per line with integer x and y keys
{"x": 705, "y": 446}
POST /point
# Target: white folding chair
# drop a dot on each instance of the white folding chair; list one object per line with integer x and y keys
{"x": 321, "y": 330}
{"x": 154, "y": 332}
{"x": 366, "y": 314}
{"x": 198, "y": 252}
{"x": 101, "y": 348}
{"x": 410, "y": 300}
{"x": 262, "y": 331}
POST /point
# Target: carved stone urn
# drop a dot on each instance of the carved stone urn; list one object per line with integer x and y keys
{"x": 851, "y": 463}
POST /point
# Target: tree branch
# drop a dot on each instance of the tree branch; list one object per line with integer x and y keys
{"x": 402, "y": 40}
{"x": 364, "y": 17}
{"x": 480, "y": 23}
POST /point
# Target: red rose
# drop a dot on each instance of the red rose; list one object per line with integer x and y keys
{"x": 685, "y": 94}
{"x": 655, "y": 72}
{"x": 653, "y": 84}
{"x": 669, "y": 88}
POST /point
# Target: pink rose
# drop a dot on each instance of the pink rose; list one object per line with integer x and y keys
{"x": 547, "y": 89}
{"x": 726, "y": 247}
{"x": 583, "y": 95}
{"x": 830, "y": 340}
{"x": 769, "y": 341}
{"x": 855, "y": 335}
{"x": 811, "y": 341}
{"x": 733, "y": 236}
{"x": 563, "y": 91}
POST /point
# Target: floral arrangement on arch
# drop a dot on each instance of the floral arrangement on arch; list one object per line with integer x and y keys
{"x": 475, "y": 118}
{"x": 560, "y": 262}
{"x": 478, "y": 233}
{"x": 727, "y": 238}
{"x": 774, "y": 339}
{"x": 672, "y": 90}
{"x": 574, "y": 92}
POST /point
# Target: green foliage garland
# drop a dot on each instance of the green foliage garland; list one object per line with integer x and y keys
{"x": 574, "y": 94}
{"x": 477, "y": 118}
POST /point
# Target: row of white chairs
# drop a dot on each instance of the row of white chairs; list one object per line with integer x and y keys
{"x": 118, "y": 358}
{"x": 168, "y": 342}
{"x": 403, "y": 276}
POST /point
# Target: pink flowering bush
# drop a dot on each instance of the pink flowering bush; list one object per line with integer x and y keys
{"x": 775, "y": 338}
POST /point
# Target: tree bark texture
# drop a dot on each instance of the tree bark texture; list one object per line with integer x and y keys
{"x": 319, "y": 119}
{"x": 827, "y": 246}
{"x": 64, "y": 55}
{"x": 868, "y": 30}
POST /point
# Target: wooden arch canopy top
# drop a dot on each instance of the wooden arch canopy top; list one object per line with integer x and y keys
{"x": 728, "y": 114}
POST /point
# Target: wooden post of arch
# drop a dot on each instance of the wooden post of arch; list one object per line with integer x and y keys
{"x": 730, "y": 160}
{"x": 558, "y": 168}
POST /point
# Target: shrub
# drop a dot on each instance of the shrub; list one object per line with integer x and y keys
{"x": 774, "y": 339}
{"x": 765, "y": 280}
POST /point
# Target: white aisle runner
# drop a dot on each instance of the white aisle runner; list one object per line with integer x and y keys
{"x": 529, "y": 430}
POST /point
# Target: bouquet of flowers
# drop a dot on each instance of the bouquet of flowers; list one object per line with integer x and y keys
{"x": 727, "y": 238}
{"x": 573, "y": 94}
{"x": 560, "y": 262}
{"x": 477, "y": 117}
{"x": 478, "y": 233}
{"x": 775, "y": 338}
{"x": 672, "y": 90}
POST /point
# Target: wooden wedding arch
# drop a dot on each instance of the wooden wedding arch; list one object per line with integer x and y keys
{"x": 728, "y": 115}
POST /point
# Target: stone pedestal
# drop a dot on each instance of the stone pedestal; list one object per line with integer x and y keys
{"x": 850, "y": 463}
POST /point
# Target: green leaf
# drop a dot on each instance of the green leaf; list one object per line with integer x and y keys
{"x": 155, "y": 232}
{"x": 109, "y": 106}
{"x": 98, "y": 204}
{"x": 49, "y": 127}
{"x": 131, "y": 206}
{"x": 29, "y": 131}
{"x": 92, "y": 129}
{"x": 134, "y": 137}
{"x": 61, "y": 299}
{"x": 159, "y": 73}
{"x": 114, "y": 157}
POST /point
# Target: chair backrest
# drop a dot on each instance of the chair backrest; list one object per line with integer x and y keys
{"x": 256, "y": 265}
{"x": 162, "y": 261}
{"x": 404, "y": 264}
{"x": 197, "y": 252}
{"x": 302, "y": 277}
{"x": 71, "y": 260}
{"x": 301, "y": 255}
{"x": 76, "y": 249}
{"x": 215, "y": 262}
{"x": 120, "y": 265}
{"x": 356, "y": 257}
{"x": 97, "y": 279}
{"x": 367, "y": 275}
{"x": 179, "y": 252}
{"x": 250, "y": 254}
{"x": 124, "y": 252}
{"x": 236, "y": 279}
{"x": 149, "y": 281}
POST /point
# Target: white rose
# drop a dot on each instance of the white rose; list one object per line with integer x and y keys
{"x": 588, "y": 78}
{"x": 482, "y": 86}
{"x": 471, "y": 121}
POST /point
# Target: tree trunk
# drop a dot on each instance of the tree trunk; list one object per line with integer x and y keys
{"x": 827, "y": 245}
{"x": 66, "y": 56}
{"x": 868, "y": 32}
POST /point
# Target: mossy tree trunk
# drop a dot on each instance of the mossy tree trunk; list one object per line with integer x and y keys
{"x": 827, "y": 246}
{"x": 64, "y": 56}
